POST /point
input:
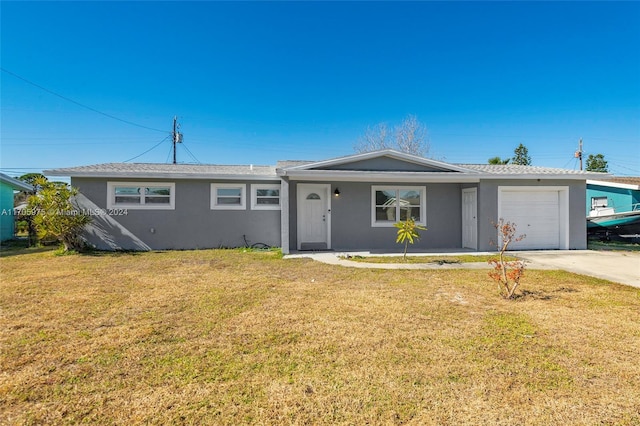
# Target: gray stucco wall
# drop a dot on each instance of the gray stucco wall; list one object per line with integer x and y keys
{"x": 194, "y": 225}
{"x": 488, "y": 210}
{"x": 351, "y": 218}
{"x": 191, "y": 225}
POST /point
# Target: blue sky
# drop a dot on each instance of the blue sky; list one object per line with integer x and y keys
{"x": 252, "y": 83}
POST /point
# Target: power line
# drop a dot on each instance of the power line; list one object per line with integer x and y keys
{"x": 169, "y": 154}
{"x": 150, "y": 149}
{"x": 617, "y": 165}
{"x": 78, "y": 103}
{"x": 57, "y": 144}
{"x": 189, "y": 152}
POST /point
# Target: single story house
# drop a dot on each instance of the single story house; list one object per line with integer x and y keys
{"x": 7, "y": 220}
{"x": 622, "y": 194}
{"x": 346, "y": 203}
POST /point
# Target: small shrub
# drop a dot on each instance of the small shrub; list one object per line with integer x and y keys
{"x": 408, "y": 233}
{"x": 55, "y": 214}
{"x": 506, "y": 273}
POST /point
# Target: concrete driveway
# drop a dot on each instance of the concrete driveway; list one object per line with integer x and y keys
{"x": 617, "y": 266}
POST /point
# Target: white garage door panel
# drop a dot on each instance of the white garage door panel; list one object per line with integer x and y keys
{"x": 536, "y": 214}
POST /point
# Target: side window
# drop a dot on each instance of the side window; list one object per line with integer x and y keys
{"x": 141, "y": 195}
{"x": 228, "y": 196}
{"x": 265, "y": 197}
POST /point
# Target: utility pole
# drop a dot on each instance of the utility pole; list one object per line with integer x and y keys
{"x": 578, "y": 153}
{"x": 177, "y": 137}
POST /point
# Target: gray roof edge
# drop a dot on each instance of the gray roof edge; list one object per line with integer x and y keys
{"x": 158, "y": 175}
{"x": 15, "y": 183}
{"x": 530, "y": 176}
{"x": 439, "y": 176}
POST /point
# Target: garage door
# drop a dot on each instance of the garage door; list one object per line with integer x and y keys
{"x": 537, "y": 214}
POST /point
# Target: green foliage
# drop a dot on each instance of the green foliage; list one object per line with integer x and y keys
{"x": 506, "y": 273}
{"x": 498, "y": 160}
{"x": 408, "y": 233}
{"x": 521, "y": 156}
{"x": 31, "y": 178}
{"x": 597, "y": 163}
{"x": 54, "y": 213}
{"x": 22, "y": 197}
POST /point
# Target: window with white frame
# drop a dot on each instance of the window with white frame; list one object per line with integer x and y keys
{"x": 391, "y": 204}
{"x": 141, "y": 195}
{"x": 228, "y": 196}
{"x": 265, "y": 196}
{"x": 599, "y": 202}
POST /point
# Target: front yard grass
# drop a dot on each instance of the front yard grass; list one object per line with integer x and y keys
{"x": 226, "y": 337}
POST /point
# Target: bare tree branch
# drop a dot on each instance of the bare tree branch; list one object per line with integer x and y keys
{"x": 410, "y": 136}
{"x": 373, "y": 139}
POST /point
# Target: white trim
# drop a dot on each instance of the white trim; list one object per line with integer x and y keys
{"x": 613, "y": 184}
{"x": 388, "y": 224}
{"x": 391, "y": 176}
{"x": 419, "y": 177}
{"x": 214, "y": 196}
{"x": 111, "y": 196}
{"x": 254, "y": 196}
{"x": 563, "y": 207}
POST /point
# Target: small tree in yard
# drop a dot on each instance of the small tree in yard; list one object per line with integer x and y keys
{"x": 56, "y": 215}
{"x": 507, "y": 273}
{"x": 408, "y": 233}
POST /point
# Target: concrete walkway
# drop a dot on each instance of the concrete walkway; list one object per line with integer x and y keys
{"x": 616, "y": 266}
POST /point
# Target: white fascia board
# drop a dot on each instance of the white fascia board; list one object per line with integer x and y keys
{"x": 359, "y": 176}
{"x": 135, "y": 175}
{"x": 614, "y": 184}
{"x": 436, "y": 177}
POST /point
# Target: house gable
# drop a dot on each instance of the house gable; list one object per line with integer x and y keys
{"x": 386, "y": 164}
{"x": 387, "y": 160}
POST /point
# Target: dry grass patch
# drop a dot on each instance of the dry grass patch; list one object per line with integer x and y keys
{"x": 225, "y": 337}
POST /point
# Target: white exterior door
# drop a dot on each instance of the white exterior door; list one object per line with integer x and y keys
{"x": 539, "y": 213}
{"x": 470, "y": 218}
{"x": 314, "y": 219}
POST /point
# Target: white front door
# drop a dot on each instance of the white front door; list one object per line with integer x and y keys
{"x": 314, "y": 219}
{"x": 469, "y": 218}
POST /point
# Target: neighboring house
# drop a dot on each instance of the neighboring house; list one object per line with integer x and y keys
{"x": 622, "y": 194}
{"x": 347, "y": 203}
{"x": 7, "y": 187}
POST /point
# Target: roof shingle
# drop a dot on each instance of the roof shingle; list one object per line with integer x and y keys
{"x": 173, "y": 170}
